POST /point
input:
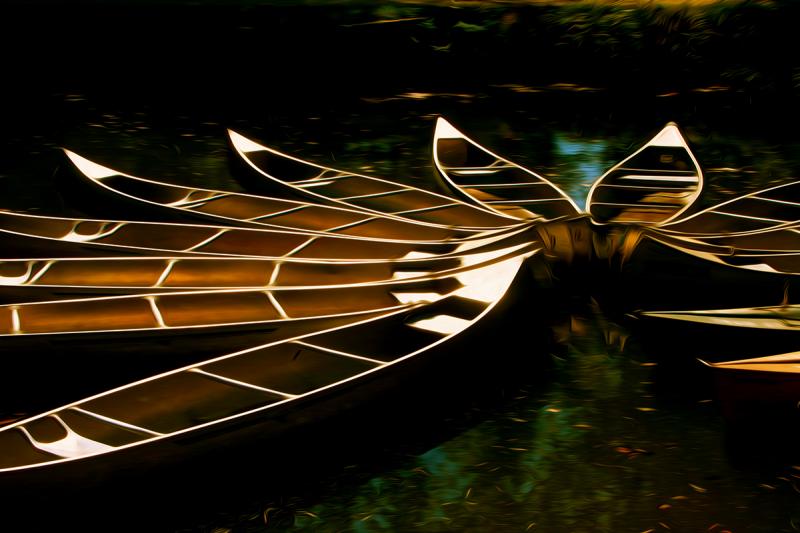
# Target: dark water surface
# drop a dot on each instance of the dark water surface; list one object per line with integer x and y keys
{"x": 598, "y": 435}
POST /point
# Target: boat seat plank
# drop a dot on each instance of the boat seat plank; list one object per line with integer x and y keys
{"x": 385, "y": 339}
{"x": 178, "y": 401}
{"x": 290, "y": 367}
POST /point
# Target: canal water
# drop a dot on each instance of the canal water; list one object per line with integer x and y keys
{"x": 599, "y": 433}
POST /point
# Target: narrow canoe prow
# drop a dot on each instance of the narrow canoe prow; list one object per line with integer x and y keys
{"x": 494, "y": 183}
{"x": 655, "y": 185}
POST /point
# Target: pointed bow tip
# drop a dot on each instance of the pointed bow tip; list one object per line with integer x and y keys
{"x": 445, "y": 130}
{"x": 89, "y": 168}
{"x": 670, "y": 135}
{"x": 242, "y": 143}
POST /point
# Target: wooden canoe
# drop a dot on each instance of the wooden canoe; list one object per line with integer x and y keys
{"x": 34, "y": 236}
{"x": 322, "y": 184}
{"x": 652, "y": 272}
{"x": 654, "y": 185}
{"x": 245, "y": 393}
{"x": 767, "y": 209}
{"x": 28, "y": 280}
{"x": 785, "y": 238}
{"x": 494, "y": 183}
{"x": 178, "y": 203}
{"x": 758, "y": 388}
{"x": 777, "y": 317}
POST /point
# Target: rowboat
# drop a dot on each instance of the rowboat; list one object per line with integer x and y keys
{"x": 248, "y": 394}
{"x": 654, "y": 185}
{"x": 34, "y": 236}
{"x": 496, "y": 184}
{"x": 775, "y": 207}
{"x": 327, "y": 185}
{"x": 757, "y": 387}
{"x": 154, "y": 200}
{"x": 28, "y": 280}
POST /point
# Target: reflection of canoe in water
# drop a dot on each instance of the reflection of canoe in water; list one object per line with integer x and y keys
{"x": 652, "y": 186}
{"x": 27, "y": 280}
{"x": 495, "y": 183}
{"x": 354, "y": 191}
{"x": 247, "y": 394}
{"x": 33, "y": 236}
{"x": 164, "y": 201}
{"x": 757, "y": 387}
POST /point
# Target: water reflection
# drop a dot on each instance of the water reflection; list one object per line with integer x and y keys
{"x": 583, "y": 162}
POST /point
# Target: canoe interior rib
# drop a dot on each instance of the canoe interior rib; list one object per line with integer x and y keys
{"x": 494, "y": 183}
{"x": 350, "y": 190}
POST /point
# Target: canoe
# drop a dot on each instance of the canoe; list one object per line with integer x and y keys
{"x": 784, "y": 238}
{"x": 487, "y": 180}
{"x": 355, "y": 191}
{"x": 651, "y": 272}
{"x": 758, "y": 387}
{"x": 654, "y": 185}
{"x": 153, "y": 200}
{"x": 767, "y": 209}
{"x": 776, "y": 317}
{"x": 28, "y": 280}
{"x": 71, "y": 344}
{"x": 34, "y": 236}
{"x": 763, "y": 260}
{"x": 247, "y": 394}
